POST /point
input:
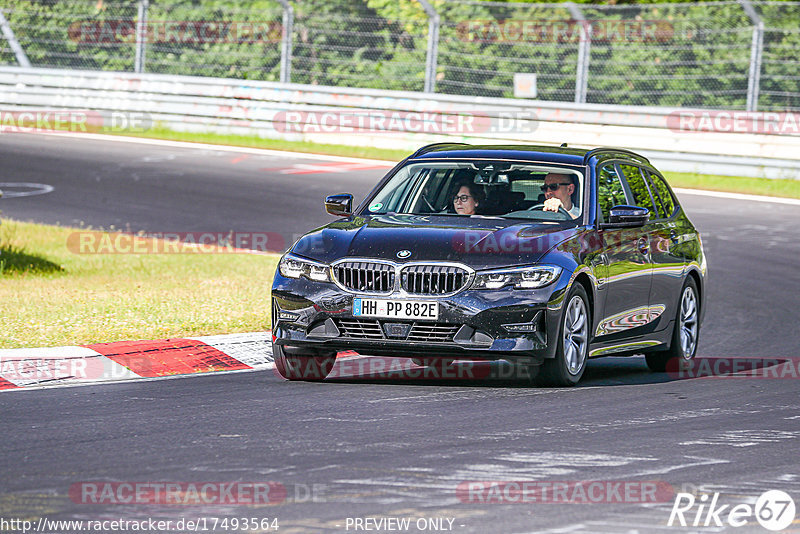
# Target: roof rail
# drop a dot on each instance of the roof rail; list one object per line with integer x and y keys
{"x": 612, "y": 150}
{"x": 428, "y": 148}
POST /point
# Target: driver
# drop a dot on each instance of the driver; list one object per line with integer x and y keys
{"x": 558, "y": 189}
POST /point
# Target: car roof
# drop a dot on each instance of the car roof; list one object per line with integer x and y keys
{"x": 560, "y": 154}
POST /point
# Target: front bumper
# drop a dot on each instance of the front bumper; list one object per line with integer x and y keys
{"x": 314, "y": 317}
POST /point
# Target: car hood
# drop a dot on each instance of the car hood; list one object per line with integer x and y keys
{"x": 480, "y": 242}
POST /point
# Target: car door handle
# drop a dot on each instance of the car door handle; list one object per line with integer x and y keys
{"x": 642, "y": 245}
{"x": 674, "y": 237}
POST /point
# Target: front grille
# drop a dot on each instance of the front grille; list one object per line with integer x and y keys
{"x": 436, "y": 332}
{"x": 365, "y": 276}
{"x": 373, "y": 329}
{"x": 359, "y": 328}
{"x": 433, "y": 279}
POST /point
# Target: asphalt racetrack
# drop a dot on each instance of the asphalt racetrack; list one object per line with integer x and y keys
{"x": 358, "y": 447}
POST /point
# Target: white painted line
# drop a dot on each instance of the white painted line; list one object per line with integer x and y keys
{"x": 253, "y": 349}
{"x": 137, "y": 379}
{"x": 59, "y": 365}
{"x": 298, "y": 167}
{"x": 244, "y": 337}
{"x": 221, "y": 148}
{"x": 738, "y": 196}
{"x": 34, "y": 189}
{"x": 40, "y": 368}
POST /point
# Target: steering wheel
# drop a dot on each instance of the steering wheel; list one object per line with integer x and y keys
{"x": 561, "y": 210}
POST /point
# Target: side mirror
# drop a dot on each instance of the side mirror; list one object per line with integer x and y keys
{"x": 627, "y": 217}
{"x": 340, "y": 205}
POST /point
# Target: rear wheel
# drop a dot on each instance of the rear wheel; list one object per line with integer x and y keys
{"x": 311, "y": 367}
{"x": 686, "y": 331}
{"x": 567, "y": 368}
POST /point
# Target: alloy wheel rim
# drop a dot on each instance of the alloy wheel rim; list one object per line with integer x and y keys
{"x": 688, "y": 323}
{"x": 576, "y": 329}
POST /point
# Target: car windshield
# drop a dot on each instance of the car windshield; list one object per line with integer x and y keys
{"x": 482, "y": 188}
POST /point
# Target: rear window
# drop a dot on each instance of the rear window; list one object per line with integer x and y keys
{"x": 638, "y": 187}
{"x": 663, "y": 197}
{"x": 532, "y": 189}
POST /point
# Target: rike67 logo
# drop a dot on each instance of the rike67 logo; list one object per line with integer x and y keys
{"x": 774, "y": 510}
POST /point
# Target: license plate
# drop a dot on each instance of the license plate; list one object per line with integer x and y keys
{"x": 396, "y": 309}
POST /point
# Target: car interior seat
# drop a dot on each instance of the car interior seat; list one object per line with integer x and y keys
{"x": 503, "y": 200}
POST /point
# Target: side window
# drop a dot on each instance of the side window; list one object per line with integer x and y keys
{"x": 662, "y": 193}
{"x": 638, "y": 187}
{"x": 435, "y": 192}
{"x": 609, "y": 192}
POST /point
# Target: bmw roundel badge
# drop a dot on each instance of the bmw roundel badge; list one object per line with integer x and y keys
{"x": 402, "y": 254}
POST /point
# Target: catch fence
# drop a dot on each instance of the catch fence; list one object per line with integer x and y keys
{"x": 728, "y": 54}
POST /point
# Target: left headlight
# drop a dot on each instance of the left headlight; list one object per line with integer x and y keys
{"x": 520, "y": 277}
{"x": 291, "y": 266}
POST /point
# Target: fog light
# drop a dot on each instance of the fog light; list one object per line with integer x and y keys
{"x": 521, "y": 327}
{"x": 287, "y": 316}
{"x": 532, "y": 327}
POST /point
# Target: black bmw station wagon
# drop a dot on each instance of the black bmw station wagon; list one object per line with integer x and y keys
{"x": 541, "y": 256}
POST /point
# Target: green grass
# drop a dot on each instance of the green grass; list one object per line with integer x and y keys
{"x": 733, "y": 184}
{"x": 736, "y": 184}
{"x": 51, "y": 296}
{"x": 251, "y": 141}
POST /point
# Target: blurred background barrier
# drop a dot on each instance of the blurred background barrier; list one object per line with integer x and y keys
{"x": 739, "y": 54}
{"x": 675, "y": 139}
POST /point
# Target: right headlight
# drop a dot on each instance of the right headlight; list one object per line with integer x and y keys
{"x": 520, "y": 277}
{"x": 292, "y": 266}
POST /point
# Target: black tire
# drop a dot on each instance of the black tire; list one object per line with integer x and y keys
{"x": 567, "y": 368}
{"x": 311, "y": 367}
{"x": 677, "y": 354}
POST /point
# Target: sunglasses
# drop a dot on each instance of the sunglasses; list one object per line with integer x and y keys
{"x": 553, "y": 187}
{"x": 461, "y": 198}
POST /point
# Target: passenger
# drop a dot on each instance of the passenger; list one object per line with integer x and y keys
{"x": 558, "y": 189}
{"x": 467, "y": 199}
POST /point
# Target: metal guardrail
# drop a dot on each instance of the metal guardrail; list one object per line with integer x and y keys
{"x": 192, "y": 103}
{"x": 732, "y": 54}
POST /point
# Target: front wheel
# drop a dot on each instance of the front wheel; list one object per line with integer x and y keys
{"x": 302, "y": 367}
{"x": 685, "y": 334}
{"x": 567, "y": 368}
